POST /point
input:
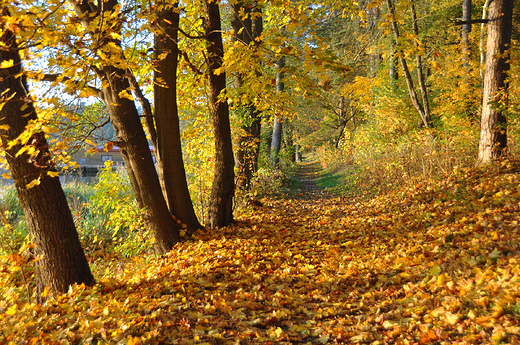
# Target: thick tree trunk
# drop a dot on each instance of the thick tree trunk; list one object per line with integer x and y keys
{"x": 133, "y": 144}
{"x": 220, "y": 211}
{"x": 130, "y": 134}
{"x": 169, "y": 150}
{"x": 493, "y": 131}
{"x": 48, "y": 216}
{"x": 276, "y": 141}
{"x": 249, "y": 139}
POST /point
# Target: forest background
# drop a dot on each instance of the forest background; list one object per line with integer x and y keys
{"x": 326, "y": 79}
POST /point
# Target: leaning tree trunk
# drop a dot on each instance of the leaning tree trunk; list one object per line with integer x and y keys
{"x": 276, "y": 141}
{"x": 493, "y": 131}
{"x": 246, "y": 29}
{"x": 131, "y": 138}
{"x": 220, "y": 210}
{"x": 48, "y": 216}
{"x": 421, "y": 79}
{"x": 169, "y": 150}
{"x": 394, "y": 74}
{"x": 425, "y": 119}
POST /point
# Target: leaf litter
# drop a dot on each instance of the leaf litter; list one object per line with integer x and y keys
{"x": 436, "y": 263}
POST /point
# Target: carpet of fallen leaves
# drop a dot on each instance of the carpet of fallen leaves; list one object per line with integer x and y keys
{"x": 434, "y": 264}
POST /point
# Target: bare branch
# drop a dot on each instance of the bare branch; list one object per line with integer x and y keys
{"x": 194, "y": 68}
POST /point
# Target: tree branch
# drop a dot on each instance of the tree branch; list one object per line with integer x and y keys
{"x": 473, "y": 21}
{"x": 55, "y": 77}
{"x": 194, "y": 68}
{"x": 147, "y": 108}
{"x": 187, "y": 35}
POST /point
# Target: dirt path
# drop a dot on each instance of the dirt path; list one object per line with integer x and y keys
{"x": 307, "y": 175}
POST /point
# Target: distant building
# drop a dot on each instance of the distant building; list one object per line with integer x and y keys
{"x": 91, "y": 163}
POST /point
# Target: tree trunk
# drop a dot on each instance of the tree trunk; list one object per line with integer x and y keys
{"x": 169, "y": 150}
{"x": 342, "y": 121}
{"x": 485, "y": 9}
{"x": 353, "y": 116}
{"x": 426, "y": 121}
{"x": 220, "y": 212}
{"x": 493, "y": 130}
{"x": 466, "y": 29}
{"x": 249, "y": 139}
{"x": 394, "y": 74}
{"x": 276, "y": 141}
{"x": 372, "y": 21}
{"x": 48, "y": 216}
{"x": 132, "y": 140}
{"x": 297, "y": 154}
{"x": 420, "y": 75}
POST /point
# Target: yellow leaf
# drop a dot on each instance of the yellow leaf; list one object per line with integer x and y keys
{"x": 134, "y": 341}
{"x": 53, "y": 173}
{"x": 115, "y": 35}
{"x": 11, "y": 310}
{"x": 95, "y": 325}
{"x": 125, "y": 94}
{"x": 7, "y": 63}
{"x": 45, "y": 292}
{"x": 6, "y": 176}
{"x": 435, "y": 270}
{"x": 436, "y": 65}
{"x": 35, "y": 182}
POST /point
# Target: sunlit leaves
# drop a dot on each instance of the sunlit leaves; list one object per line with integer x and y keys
{"x": 397, "y": 268}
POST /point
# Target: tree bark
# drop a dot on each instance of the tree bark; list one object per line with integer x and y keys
{"x": 169, "y": 150}
{"x": 249, "y": 139}
{"x": 220, "y": 210}
{"x": 276, "y": 141}
{"x": 132, "y": 140}
{"x": 493, "y": 130}
{"x": 48, "y": 216}
{"x": 483, "y": 26}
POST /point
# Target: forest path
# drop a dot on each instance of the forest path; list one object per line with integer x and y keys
{"x": 307, "y": 175}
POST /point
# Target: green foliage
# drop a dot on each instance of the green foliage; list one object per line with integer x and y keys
{"x": 114, "y": 203}
{"x": 105, "y": 214}
{"x": 13, "y": 230}
{"x": 269, "y": 182}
